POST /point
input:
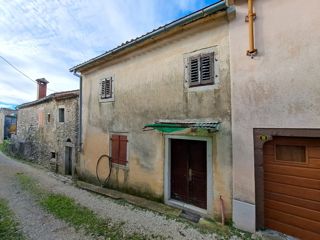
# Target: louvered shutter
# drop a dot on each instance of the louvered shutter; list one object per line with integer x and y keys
{"x": 194, "y": 71}
{"x": 115, "y": 144}
{"x": 108, "y": 87}
{"x": 207, "y": 69}
{"x": 103, "y": 89}
{"x": 123, "y": 150}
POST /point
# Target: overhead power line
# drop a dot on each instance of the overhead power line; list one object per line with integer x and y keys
{"x": 21, "y": 72}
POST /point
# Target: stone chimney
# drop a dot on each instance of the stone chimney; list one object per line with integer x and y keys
{"x": 42, "y": 87}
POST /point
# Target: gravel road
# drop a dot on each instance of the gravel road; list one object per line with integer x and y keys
{"x": 37, "y": 224}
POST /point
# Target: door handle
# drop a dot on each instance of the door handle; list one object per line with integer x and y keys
{"x": 190, "y": 175}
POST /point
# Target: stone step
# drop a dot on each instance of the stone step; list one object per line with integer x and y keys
{"x": 137, "y": 201}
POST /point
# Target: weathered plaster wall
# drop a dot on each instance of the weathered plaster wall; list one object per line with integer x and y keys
{"x": 277, "y": 89}
{"x": 149, "y": 85}
{"x": 40, "y": 139}
{"x": 4, "y": 112}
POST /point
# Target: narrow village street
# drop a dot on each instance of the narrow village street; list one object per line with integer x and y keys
{"x": 39, "y": 224}
{"x": 142, "y": 120}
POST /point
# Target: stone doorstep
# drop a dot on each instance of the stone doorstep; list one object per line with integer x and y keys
{"x": 134, "y": 200}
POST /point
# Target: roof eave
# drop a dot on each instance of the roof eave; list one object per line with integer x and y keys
{"x": 222, "y": 5}
{"x": 57, "y": 96}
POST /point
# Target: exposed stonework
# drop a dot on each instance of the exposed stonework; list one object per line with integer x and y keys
{"x": 41, "y": 137}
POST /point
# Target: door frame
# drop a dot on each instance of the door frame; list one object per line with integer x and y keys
{"x": 71, "y": 145}
{"x": 68, "y": 160}
{"x": 261, "y": 136}
{"x": 167, "y": 176}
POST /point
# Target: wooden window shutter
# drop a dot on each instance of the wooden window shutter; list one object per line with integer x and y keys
{"x": 207, "y": 68}
{"x": 123, "y": 150}
{"x": 119, "y": 149}
{"x": 108, "y": 87}
{"x": 103, "y": 89}
{"x": 115, "y": 144}
{"x": 194, "y": 71}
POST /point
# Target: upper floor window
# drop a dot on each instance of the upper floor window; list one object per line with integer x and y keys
{"x": 106, "y": 88}
{"x": 61, "y": 115}
{"x": 201, "y": 69}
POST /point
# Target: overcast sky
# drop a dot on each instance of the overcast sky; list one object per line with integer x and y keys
{"x": 45, "y": 38}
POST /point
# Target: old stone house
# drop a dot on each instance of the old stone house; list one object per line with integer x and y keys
{"x": 47, "y": 129}
{"x": 276, "y": 117}
{"x": 8, "y": 123}
{"x": 175, "y": 82}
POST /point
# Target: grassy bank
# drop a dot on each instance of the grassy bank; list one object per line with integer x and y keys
{"x": 79, "y": 217}
{"x": 4, "y": 147}
{"x": 9, "y": 228}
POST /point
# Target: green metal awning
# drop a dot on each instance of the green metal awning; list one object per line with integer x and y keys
{"x": 166, "y": 128}
{"x": 169, "y": 126}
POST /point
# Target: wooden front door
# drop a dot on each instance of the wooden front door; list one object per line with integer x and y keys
{"x": 189, "y": 172}
{"x": 292, "y": 186}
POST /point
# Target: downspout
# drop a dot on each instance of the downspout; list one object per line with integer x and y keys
{"x": 80, "y": 112}
{"x": 79, "y": 140}
{"x": 250, "y": 18}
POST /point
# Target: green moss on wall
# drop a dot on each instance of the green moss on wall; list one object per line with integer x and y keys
{"x": 144, "y": 192}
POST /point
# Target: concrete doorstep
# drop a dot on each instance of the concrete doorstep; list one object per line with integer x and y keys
{"x": 137, "y": 201}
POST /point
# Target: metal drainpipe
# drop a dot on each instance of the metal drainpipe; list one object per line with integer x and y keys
{"x": 80, "y": 112}
{"x": 250, "y": 18}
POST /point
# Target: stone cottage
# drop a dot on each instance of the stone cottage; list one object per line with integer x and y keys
{"x": 157, "y": 108}
{"x": 276, "y": 116}
{"x": 8, "y": 123}
{"x": 47, "y": 129}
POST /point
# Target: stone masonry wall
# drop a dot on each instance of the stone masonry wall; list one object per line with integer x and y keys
{"x": 40, "y": 134}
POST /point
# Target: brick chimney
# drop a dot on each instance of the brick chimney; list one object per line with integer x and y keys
{"x": 42, "y": 87}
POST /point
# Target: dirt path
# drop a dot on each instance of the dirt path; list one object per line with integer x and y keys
{"x": 37, "y": 224}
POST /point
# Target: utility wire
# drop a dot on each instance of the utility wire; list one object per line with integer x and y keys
{"x": 18, "y": 70}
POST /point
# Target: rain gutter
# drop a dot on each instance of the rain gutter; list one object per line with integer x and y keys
{"x": 222, "y": 5}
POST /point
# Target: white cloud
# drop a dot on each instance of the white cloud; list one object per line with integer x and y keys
{"x": 45, "y": 38}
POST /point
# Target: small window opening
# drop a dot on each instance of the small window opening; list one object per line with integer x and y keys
{"x": 49, "y": 117}
{"x": 291, "y": 153}
{"x": 201, "y": 69}
{"x": 61, "y": 114}
{"x": 106, "y": 88}
{"x": 53, "y": 155}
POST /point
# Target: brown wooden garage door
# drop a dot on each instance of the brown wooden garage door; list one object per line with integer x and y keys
{"x": 292, "y": 186}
